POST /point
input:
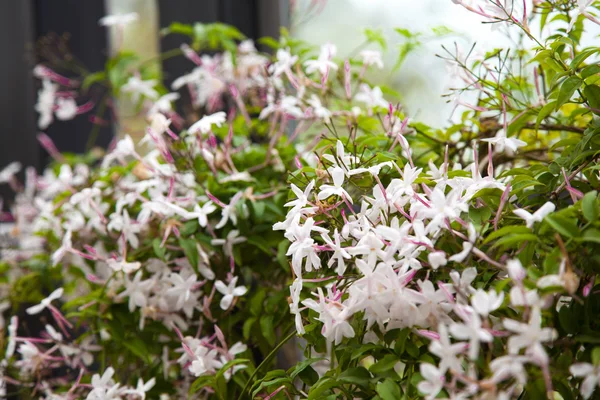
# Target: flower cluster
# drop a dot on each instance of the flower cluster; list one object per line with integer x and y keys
{"x": 457, "y": 263}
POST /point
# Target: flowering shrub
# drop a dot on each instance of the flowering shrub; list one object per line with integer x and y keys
{"x": 456, "y": 263}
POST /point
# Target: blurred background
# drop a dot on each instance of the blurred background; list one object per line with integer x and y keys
{"x": 41, "y": 30}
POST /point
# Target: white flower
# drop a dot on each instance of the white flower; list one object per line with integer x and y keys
{"x": 515, "y": 270}
{"x": 123, "y": 265}
{"x": 502, "y": 142}
{"x": 137, "y": 290}
{"x": 12, "y": 335}
{"x": 437, "y": 259}
{"x": 118, "y": 19}
{"x": 227, "y": 243}
{"x": 434, "y": 380}
{"x": 592, "y": 377}
{"x": 285, "y": 61}
{"x": 301, "y": 197}
{"x": 336, "y": 189}
{"x": 205, "y": 361}
{"x": 509, "y": 366}
{"x": 66, "y": 108}
{"x": 142, "y": 388}
{"x": 485, "y": 302}
{"x": 8, "y": 172}
{"x": 137, "y": 87}
{"x": 447, "y": 351}
{"x": 229, "y": 211}
{"x": 45, "y": 103}
{"x": 371, "y": 97}
{"x": 323, "y": 63}
{"x": 103, "y": 387}
{"x": 537, "y": 216}
{"x": 202, "y": 213}
{"x": 229, "y": 292}
{"x": 318, "y": 110}
{"x": 182, "y": 287}
{"x": 471, "y": 330}
{"x": 45, "y": 302}
{"x": 339, "y": 253}
{"x": 204, "y": 125}
{"x": 163, "y": 104}
{"x": 529, "y": 335}
{"x": 372, "y": 57}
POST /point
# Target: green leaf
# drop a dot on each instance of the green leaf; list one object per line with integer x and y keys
{"x": 138, "y": 347}
{"x": 567, "y": 89}
{"x": 201, "y": 382}
{"x": 581, "y": 57}
{"x": 544, "y": 112}
{"x": 592, "y": 94}
{"x": 301, "y": 366}
{"x": 596, "y": 356}
{"x": 388, "y": 390}
{"x": 356, "y": 376}
{"x": 190, "y": 250}
{"x": 589, "y": 206}
{"x": 590, "y": 235}
{"x": 563, "y": 225}
{"x": 266, "y": 326}
{"x": 385, "y": 364}
{"x": 376, "y": 36}
{"x": 590, "y": 70}
{"x": 93, "y": 78}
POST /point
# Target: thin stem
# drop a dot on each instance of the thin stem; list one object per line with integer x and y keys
{"x": 266, "y": 361}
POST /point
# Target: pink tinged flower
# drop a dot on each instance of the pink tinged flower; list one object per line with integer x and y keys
{"x": 592, "y": 378}
{"x": 336, "y": 189}
{"x": 45, "y": 303}
{"x": 229, "y": 292}
{"x": 204, "y": 125}
{"x": 433, "y": 382}
{"x": 528, "y": 335}
{"x": 119, "y": 20}
{"x": 485, "y": 302}
{"x": 538, "y": 216}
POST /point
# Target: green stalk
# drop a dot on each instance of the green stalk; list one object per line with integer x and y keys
{"x": 266, "y": 360}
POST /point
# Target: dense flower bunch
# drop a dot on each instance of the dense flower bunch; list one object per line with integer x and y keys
{"x": 412, "y": 262}
{"x": 476, "y": 278}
